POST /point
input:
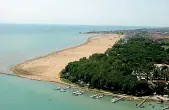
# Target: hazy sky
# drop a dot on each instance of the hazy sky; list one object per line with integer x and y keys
{"x": 92, "y": 12}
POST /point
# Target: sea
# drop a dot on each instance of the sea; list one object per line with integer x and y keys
{"x": 20, "y": 42}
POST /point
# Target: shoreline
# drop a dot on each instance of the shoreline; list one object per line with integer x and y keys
{"x": 86, "y": 41}
{"x": 19, "y": 70}
{"x": 96, "y": 91}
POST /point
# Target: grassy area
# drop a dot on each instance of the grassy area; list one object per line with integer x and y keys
{"x": 166, "y": 47}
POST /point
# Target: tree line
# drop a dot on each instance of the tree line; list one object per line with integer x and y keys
{"x": 115, "y": 70}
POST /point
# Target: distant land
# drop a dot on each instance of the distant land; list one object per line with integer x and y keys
{"x": 146, "y": 32}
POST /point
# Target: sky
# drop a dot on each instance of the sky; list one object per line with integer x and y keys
{"x": 86, "y": 12}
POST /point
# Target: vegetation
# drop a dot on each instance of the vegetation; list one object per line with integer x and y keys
{"x": 165, "y": 47}
{"x": 117, "y": 69}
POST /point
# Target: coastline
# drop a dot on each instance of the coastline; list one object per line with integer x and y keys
{"x": 30, "y": 68}
{"x": 47, "y": 68}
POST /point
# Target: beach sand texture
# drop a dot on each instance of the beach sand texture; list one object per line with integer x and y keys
{"x": 48, "y": 68}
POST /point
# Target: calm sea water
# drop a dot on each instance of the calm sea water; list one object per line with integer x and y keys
{"x": 24, "y": 94}
{"x": 22, "y": 42}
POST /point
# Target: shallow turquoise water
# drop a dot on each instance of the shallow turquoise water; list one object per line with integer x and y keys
{"x": 24, "y": 94}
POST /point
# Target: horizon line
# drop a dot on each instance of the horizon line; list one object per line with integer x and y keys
{"x": 80, "y": 24}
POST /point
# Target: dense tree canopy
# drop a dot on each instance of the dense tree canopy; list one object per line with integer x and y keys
{"x": 114, "y": 69}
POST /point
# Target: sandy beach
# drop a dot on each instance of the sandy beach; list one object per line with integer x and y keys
{"x": 48, "y": 68}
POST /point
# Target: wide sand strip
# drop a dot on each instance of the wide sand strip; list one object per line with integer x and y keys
{"x": 48, "y": 67}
